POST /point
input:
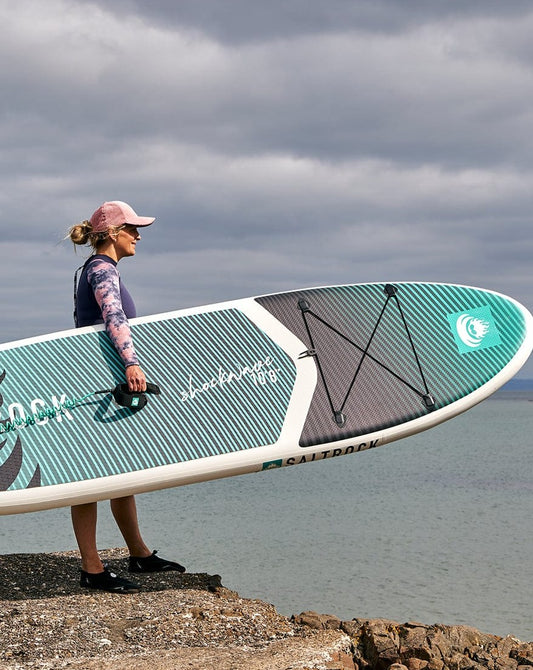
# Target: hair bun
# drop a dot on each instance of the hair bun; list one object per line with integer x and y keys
{"x": 81, "y": 232}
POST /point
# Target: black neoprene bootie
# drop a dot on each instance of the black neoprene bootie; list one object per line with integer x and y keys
{"x": 107, "y": 581}
{"x": 153, "y": 563}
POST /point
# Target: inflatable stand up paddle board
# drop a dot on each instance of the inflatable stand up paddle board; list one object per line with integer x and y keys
{"x": 247, "y": 385}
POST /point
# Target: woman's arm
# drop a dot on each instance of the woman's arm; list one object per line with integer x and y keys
{"x": 105, "y": 283}
{"x": 104, "y": 280}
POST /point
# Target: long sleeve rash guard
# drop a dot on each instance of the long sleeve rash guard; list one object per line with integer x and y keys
{"x": 102, "y": 298}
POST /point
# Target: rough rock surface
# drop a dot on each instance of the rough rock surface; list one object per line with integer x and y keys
{"x": 380, "y": 644}
{"x": 191, "y": 621}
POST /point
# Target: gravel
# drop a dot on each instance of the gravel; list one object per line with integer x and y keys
{"x": 177, "y": 620}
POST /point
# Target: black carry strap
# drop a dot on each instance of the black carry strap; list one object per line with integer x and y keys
{"x": 134, "y": 399}
{"x": 338, "y": 416}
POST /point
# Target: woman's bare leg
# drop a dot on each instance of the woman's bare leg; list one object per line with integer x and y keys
{"x": 125, "y": 513}
{"x": 84, "y": 524}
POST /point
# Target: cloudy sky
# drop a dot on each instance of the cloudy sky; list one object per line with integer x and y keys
{"x": 280, "y": 145}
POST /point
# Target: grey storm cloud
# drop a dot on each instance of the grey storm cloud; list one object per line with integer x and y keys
{"x": 237, "y": 21}
{"x": 279, "y": 145}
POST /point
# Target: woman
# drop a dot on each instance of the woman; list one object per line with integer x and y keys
{"x": 112, "y": 232}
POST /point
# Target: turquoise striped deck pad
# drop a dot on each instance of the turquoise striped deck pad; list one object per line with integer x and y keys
{"x": 231, "y": 388}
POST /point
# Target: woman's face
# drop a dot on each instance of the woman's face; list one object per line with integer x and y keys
{"x": 125, "y": 241}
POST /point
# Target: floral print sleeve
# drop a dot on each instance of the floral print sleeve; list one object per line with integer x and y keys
{"x": 104, "y": 280}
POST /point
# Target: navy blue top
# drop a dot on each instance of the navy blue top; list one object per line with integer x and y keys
{"x": 87, "y": 309}
{"x": 102, "y": 298}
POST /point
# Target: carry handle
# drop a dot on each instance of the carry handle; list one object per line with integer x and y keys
{"x": 134, "y": 399}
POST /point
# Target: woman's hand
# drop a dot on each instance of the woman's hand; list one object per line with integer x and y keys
{"x": 135, "y": 378}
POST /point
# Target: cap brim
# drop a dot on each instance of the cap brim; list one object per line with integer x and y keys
{"x": 141, "y": 221}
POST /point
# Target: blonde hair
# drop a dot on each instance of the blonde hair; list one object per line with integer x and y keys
{"x": 82, "y": 233}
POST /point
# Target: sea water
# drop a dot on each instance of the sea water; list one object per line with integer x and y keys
{"x": 435, "y": 528}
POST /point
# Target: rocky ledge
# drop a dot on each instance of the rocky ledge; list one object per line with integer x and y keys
{"x": 191, "y": 621}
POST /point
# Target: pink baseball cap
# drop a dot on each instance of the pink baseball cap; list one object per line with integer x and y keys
{"x": 116, "y": 213}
